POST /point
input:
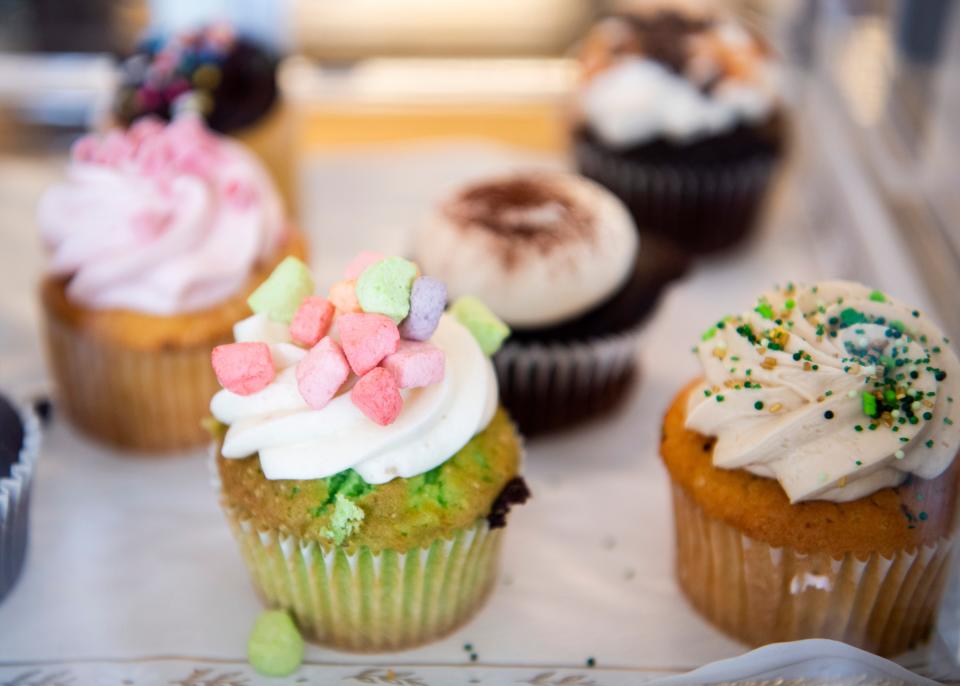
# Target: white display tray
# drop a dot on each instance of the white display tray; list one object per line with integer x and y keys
{"x": 133, "y": 578}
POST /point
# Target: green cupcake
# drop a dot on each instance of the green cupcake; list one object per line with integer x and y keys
{"x": 369, "y": 505}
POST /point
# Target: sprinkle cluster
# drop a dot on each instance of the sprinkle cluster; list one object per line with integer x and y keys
{"x": 896, "y": 362}
{"x": 385, "y": 312}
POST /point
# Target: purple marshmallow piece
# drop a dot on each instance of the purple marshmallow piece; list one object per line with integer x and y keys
{"x": 428, "y": 299}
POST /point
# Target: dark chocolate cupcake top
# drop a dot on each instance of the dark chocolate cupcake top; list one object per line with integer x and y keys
{"x": 228, "y": 79}
{"x": 537, "y": 248}
{"x": 674, "y": 74}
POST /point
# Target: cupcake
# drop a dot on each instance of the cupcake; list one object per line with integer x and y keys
{"x": 19, "y": 446}
{"x": 362, "y": 460}
{"x": 558, "y": 258}
{"x": 229, "y": 79}
{"x": 813, "y": 472}
{"x": 155, "y": 239}
{"x": 679, "y": 114}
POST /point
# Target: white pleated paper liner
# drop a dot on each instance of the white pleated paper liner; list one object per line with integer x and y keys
{"x": 758, "y": 594}
{"x": 15, "y": 503}
{"x": 549, "y": 386}
{"x": 700, "y": 209}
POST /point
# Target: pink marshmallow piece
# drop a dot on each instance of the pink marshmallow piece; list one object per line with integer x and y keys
{"x": 376, "y": 395}
{"x": 321, "y": 373}
{"x": 343, "y": 295}
{"x": 312, "y": 320}
{"x": 359, "y": 263}
{"x": 415, "y": 364}
{"x": 243, "y": 368}
{"x": 367, "y": 339}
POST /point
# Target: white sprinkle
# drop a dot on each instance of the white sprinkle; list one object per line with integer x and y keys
{"x": 915, "y": 405}
{"x": 862, "y": 341}
{"x": 852, "y": 394}
{"x": 899, "y": 454}
{"x": 869, "y": 369}
{"x": 894, "y": 413}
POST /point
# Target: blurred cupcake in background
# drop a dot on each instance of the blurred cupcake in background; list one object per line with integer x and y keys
{"x": 679, "y": 113}
{"x": 19, "y": 448}
{"x": 558, "y": 258}
{"x": 229, "y": 79}
{"x": 364, "y": 463}
{"x": 155, "y": 239}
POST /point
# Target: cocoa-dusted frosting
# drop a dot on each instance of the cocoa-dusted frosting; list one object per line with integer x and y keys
{"x": 674, "y": 74}
{"x": 537, "y": 248}
{"x": 521, "y": 213}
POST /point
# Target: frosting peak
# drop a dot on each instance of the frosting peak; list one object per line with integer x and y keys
{"x": 159, "y": 219}
{"x": 835, "y": 390}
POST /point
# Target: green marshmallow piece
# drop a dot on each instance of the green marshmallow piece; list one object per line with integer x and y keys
{"x": 384, "y": 288}
{"x": 489, "y": 331}
{"x": 275, "y": 647}
{"x": 284, "y": 290}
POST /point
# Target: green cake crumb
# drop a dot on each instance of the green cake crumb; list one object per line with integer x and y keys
{"x": 347, "y": 517}
{"x": 275, "y": 647}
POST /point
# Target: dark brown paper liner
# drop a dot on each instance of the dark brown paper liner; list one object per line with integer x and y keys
{"x": 698, "y": 208}
{"x": 546, "y": 387}
{"x": 760, "y": 594}
{"x": 15, "y": 504}
{"x": 136, "y": 399}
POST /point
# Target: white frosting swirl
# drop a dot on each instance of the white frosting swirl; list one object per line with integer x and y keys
{"x": 638, "y": 98}
{"x": 793, "y": 413}
{"x": 296, "y": 442}
{"x": 537, "y": 249}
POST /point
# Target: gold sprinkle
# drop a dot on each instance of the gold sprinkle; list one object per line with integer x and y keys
{"x": 720, "y": 352}
{"x": 768, "y": 363}
{"x": 820, "y": 398}
{"x": 776, "y": 407}
{"x": 887, "y": 419}
{"x": 927, "y": 403}
{"x": 842, "y": 482}
{"x": 807, "y": 366}
{"x": 780, "y": 336}
{"x": 761, "y": 350}
{"x": 729, "y": 383}
{"x": 854, "y": 369}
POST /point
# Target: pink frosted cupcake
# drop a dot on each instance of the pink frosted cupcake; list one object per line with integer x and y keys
{"x": 155, "y": 239}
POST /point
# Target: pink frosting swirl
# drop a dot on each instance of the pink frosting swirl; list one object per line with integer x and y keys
{"x": 160, "y": 219}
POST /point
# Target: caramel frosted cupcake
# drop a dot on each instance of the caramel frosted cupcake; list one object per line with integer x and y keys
{"x": 155, "y": 239}
{"x": 813, "y": 469}
{"x": 558, "y": 258}
{"x": 229, "y": 79}
{"x": 679, "y": 115}
{"x": 365, "y": 467}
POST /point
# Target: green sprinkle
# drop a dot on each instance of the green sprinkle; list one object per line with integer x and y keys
{"x": 758, "y": 405}
{"x": 929, "y": 443}
{"x": 828, "y": 414}
{"x": 275, "y": 647}
{"x": 790, "y": 303}
{"x": 922, "y": 516}
{"x": 709, "y": 333}
{"x": 850, "y": 316}
{"x": 898, "y": 325}
{"x": 764, "y": 310}
{"x": 591, "y": 662}
{"x": 719, "y": 398}
{"x": 877, "y": 296}
{"x": 948, "y": 421}
{"x": 858, "y": 428}
{"x": 707, "y": 392}
{"x": 869, "y": 404}
{"x": 857, "y": 462}
{"x": 828, "y": 394}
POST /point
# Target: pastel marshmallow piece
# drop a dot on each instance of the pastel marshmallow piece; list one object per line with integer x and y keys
{"x": 259, "y": 327}
{"x": 486, "y": 327}
{"x": 428, "y": 299}
{"x": 416, "y": 364}
{"x": 321, "y": 373}
{"x": 367, "y": 339}
{"x": 359, "y": 263}
{"x": 384, "y": 288}
{"x": 312, "y": 320}
{"x": 281, "y": 294}
{"x": 377, "y": 395}
{"x": 243, "y": 368}
{"x": 343, "y": 295}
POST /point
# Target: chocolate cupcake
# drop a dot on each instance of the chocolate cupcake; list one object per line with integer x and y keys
{"x": 557, "y": 257}
{"x": 679, "y": 115}
{"x": 229, "y": 79}
{"x": 19, "y": 444}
